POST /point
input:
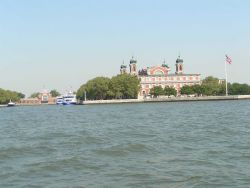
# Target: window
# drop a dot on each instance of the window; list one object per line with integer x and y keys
{"x": 180, "y": 67}
{"x": 159, "y": 72}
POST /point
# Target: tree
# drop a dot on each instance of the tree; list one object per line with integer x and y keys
{"x": 132, "y": 86}
{"x": 34, "y": 95}
{"x": 7, "y": 95}
{"x": 211, "y": 86}
{"x": 187, "y": 90}
{"x": 170, "y": 91}
{"x": 54, "y": 93}
{"x": 80, "y": 94}
{"x": 239, "y": 89}
{"x": 156, "y": 91}
{"x": 123, "y": 86}
{"x": 97, "y": 88}
{"x": 198, "y": 89}
{"x": 21, "y": 95}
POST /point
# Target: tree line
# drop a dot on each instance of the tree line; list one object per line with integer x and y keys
{"x": 7, "y": 95}
{"x": 210, "y": 86}
{"x": 124, "y": 86}
{"x": 167, "y": 91}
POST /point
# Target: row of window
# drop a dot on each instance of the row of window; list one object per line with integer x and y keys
{"x": 149, "y": 86}
{"x": 172, "y": 78}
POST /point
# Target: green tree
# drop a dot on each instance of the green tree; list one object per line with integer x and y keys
{"x": 211, "y": 86}
{"x": 34, "y": 95}
{"x": 116, "y": 87}
{"x": 198, "y": 89}
{"x": 97, "y": 88}
{"x": 156, "y": 91}
{"x": 7, "y": 95}
{"x": 21, "y": 95}
{"x": 239, "y": 89}
{"x": 187, "y": 90}
{"x": 80, "y": 94}
{"x": 123, "y": 86}
{"x": 170, "y": 91}
{"x": 54, "y": 93}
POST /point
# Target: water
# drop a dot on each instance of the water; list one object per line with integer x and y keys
{"x": 192, "y": 144}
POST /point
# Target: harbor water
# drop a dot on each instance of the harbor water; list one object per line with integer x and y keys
{"x": 168, "y": 145}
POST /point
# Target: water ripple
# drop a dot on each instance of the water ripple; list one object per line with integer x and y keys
{"x": 184, "y": 145}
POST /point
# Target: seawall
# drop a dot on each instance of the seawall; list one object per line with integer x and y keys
{"x": 166, "y": 99}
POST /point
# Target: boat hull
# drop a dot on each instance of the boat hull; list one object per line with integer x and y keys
{"x": 11, "y": 105}
{"x": 69, "y": 103}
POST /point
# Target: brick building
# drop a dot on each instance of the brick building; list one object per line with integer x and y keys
{"x": 161, "y": 76}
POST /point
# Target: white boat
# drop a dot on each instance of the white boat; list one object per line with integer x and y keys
{"x": 11, "y": 104}
{"x": 59, "y": 100}
{"x": 69, "y": 99}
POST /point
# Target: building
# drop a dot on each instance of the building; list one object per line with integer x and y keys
{"x": 44, "y": 97}
{"x": 30, "y": 101}
{"x": 161, "y": 76}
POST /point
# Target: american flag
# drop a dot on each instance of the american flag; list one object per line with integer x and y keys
{"x": 228, "y": 60}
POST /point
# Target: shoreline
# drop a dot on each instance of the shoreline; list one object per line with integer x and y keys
{"x": 151, "y": 100}
{"x": 166, "y": 99}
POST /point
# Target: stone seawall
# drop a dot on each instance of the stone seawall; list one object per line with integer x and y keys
{"x": 166, "y": 99}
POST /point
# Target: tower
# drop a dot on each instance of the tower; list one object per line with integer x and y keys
{"x": 179, "y": 66}
{"x": 123, "y": 69}
{"x": 132, "y": 65}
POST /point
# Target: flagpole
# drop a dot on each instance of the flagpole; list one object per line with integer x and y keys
{"x": 226, "y": 76}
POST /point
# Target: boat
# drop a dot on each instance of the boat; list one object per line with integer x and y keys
{"x": 59, "y": 100}
{"x": 69, "y": 99}
{"x": 11, "y": 104}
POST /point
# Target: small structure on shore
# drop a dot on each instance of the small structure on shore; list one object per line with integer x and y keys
{"x": 43, "y": 97}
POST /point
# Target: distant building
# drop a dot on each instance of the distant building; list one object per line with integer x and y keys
{"x": 161, "y": 76}
{"x": 222, "y": 81}
{"x": 30, "y": 101}
{"x": 44, "y": 97}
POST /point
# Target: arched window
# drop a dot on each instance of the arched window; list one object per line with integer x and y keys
{"x": 158, "y": 72}
{"x": 180, "y": 67}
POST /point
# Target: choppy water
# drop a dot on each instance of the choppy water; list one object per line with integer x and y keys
{"x": 173, "y": 145}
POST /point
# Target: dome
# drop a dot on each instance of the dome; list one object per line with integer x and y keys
{"x": 123, "y": 66}
{"x": 165, "y": 65}
{"x": 133, "y": 61}
{"x": 179, "y": 60}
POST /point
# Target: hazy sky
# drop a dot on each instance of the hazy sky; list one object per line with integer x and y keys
{"x": 63, "y": 43}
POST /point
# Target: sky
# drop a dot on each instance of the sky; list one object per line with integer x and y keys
{"x": 61, "y": 44}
